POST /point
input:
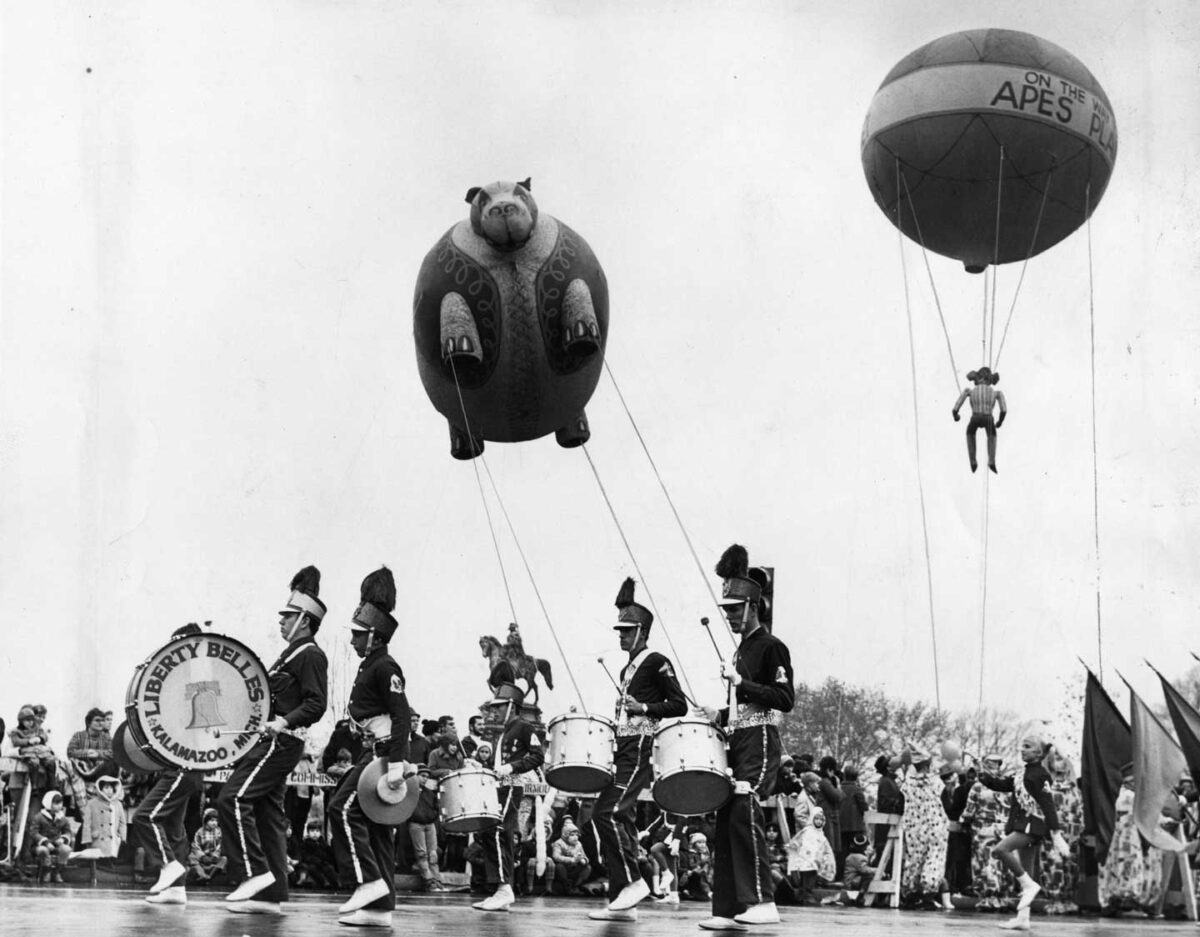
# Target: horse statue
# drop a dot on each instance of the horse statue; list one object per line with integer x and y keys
{"x": 524, "y": 666}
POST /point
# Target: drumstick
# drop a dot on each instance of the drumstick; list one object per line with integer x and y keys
{"x": 704, "y": 622}
{"x": 600, "y": 661}
{"x": 217, "y": 733}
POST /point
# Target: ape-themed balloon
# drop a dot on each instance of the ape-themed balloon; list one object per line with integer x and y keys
{"x": 987, "y": 120}
{"x": 510, "y": 320}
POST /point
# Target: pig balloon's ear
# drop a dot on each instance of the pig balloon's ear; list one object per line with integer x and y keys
{"x": 472, "y": 192}
{"x": 527, "y": 184}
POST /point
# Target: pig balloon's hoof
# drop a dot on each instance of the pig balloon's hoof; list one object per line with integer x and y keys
{"x": 575, "y": 433}
{"x": 582, "y": 339}
{"x": 463, "y": 446}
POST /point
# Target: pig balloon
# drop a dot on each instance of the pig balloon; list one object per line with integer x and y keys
{"x": 510, "y": 320}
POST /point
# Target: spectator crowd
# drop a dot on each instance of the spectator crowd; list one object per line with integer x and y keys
{"x": 822, "y": 848}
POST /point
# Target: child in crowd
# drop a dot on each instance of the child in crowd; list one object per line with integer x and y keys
{"x": 314, "y": 866}
{"x": 342, "y": 764}
{"x": 809, "y": 852}
{"x": 571, "y": 866}
{"x": 31, "y": 742}
{"x": 206, "y": 858}
{"x": 50, "y": 836}
{"x": 104, "y": 819}
{"x": 695, "y": 869}
{"x": 856, "y": 875}
{"x": 664, "y": 850}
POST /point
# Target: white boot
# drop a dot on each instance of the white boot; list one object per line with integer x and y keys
{"x": 1029, "y": 890}
{"x": 168, "y": 876}
{"x": 251, "y": 887}
{"x": 174, "y": 895}
{"x": 1020, "y": 922}
{"x": 365, "y": 918}
{"x": 763, "y": 913}
{"x": 364, "y": 895}
{"x": 499, "y": 901}
{"x": 630, "y": 895}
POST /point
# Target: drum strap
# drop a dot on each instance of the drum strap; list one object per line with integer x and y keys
{"x": 285, "y": 658}
{"x": 627, "y": 674}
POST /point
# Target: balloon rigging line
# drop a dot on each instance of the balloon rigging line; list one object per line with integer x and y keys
{"x": 483, "y": 497}
{"x": 983, "y": 587}
{"x": 912, "y": 360}
{"x": 638, "y": 570}
{"x": 663, "y": 485}
{"x": 989, "y": 343}
{"x": 1021, "y": 279}
{"x": 533, "y": 582}
{"x": 925, "y": 253}
{"x": 1095, "y": 462}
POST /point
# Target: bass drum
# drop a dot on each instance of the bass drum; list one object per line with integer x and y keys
{"x": 131, "y": 757}
{"x": 198, "y": 702}
{"x": 691, "y": 768}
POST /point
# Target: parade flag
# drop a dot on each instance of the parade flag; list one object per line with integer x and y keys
{"x": 1187, "y": 725}
{"x": 1157, "y": 763}
{"x": 1107, "y": 748}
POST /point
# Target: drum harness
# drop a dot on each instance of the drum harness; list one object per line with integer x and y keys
{"x": 627, "y": 724}
{"x": 302, "y": 732}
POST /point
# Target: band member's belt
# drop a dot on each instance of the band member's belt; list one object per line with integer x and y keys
{"x": 749, "y": 718}
{"x": 637, "y": 725}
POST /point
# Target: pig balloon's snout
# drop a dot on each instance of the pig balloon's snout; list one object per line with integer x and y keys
{"x": 503, "y": 209}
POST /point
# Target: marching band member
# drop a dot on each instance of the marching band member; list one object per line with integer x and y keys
{"x": 364, "y": 851}
{"x": 518, "y": 750}
{"x": 649, "y": 692}
{"x": 157, "y": 824}
{"x": 250, "y": 805}
{"x": 761, "y": 682}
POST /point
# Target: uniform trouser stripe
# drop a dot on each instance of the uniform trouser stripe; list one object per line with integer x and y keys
{"x": 358, "y": 876}
{"x": 237, "y": 805}
{"x": 159, "y": 833}
{"x": 497, "y": 848}
{"x": 615, "y": 815}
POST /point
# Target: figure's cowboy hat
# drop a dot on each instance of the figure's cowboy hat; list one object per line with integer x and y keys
{"x": 382, "y": 804}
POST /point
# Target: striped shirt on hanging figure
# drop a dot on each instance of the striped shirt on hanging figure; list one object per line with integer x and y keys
{"x": 984, "y": 397}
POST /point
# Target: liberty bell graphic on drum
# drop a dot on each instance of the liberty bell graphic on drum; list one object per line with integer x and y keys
{"x": 204, "y": 696}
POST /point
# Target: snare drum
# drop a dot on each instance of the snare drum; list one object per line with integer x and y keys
{"x": 579, "y": 757}
{"x": 691, "y": 769}
{"x": 468, "y": 801}
{"x": 198, "y": 702}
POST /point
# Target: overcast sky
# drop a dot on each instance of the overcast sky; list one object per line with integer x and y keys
{"x": 211, "y": 222}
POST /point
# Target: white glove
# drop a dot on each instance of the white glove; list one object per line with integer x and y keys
{"x": 396, "y": 772}
{"x": 275, "y": 726}
{"x": 504, "y": 771}
{"x": 729, "y": 672}
{"x": 707, "y": 712}
{"x": 1060, "y": 843}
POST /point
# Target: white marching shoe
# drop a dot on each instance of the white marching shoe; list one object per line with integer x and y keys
{"x": 499, "y": 901}
{"x": 168, "y": 876}
{"x": 175, "y": 895}
{"x": 365, "y": 918}
{"x": 1020, "y": 922}
{"x": 764, "y": 913}
{"x": 251, "y": 887}
{"x": 608, "y": 914}
{"x": 250, "y": 906}
{"x": 630, "y": 895}
{"x": 721, "y": 923}
{"x": 364, "y": 895}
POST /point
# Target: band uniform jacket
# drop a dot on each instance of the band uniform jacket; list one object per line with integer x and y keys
{"x": 300, "y": 684}
{"x": 521, "y": 749}
{"x": 379, "y": 691}
{"x": 767, "y": 679}
{"x": 655, "y": 685}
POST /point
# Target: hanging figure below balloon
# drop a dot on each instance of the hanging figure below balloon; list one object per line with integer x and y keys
{"x": 984, "y": 398}
{"x": 510, "y": 319}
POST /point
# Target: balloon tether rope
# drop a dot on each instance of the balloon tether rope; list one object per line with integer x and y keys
{"x": 912, "y": 358}
{"x": 633, "y": 559}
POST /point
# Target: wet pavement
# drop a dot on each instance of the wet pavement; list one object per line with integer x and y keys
{"x": 74, "y": 911}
